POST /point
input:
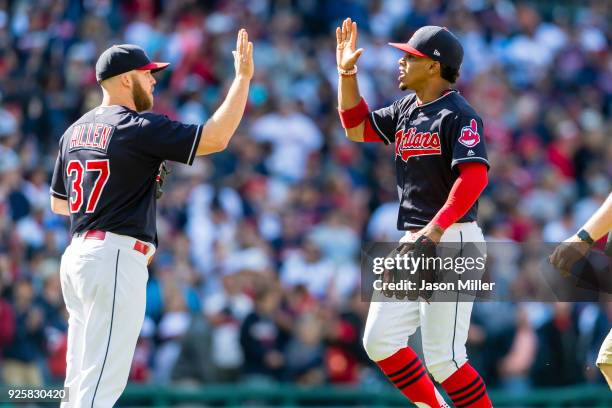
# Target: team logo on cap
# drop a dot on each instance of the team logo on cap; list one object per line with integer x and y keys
{"x": 413, "y": 143}
{"x": 469, "y": 136}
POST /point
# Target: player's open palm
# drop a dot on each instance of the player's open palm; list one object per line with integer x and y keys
{"x": 346, "y": 39}
{"x": 243, "y": 55}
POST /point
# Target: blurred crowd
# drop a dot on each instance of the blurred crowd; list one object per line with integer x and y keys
{"x": 257, "y": 272}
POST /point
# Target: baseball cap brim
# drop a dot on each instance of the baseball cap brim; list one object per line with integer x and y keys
{"x": 410, "y": 50}
{"x": 154, "y": 66}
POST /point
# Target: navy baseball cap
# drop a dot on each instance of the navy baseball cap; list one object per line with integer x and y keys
{"x": 122, "y": 58}
{"x": 436, "y": 43}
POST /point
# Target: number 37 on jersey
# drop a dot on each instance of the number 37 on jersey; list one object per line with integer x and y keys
{"x": 87, "y": 180}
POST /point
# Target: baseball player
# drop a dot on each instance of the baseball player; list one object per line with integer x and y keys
{"x": 105, "y": 180}
{"x": 576, "y": 247}
{"x": 441, "y": 166}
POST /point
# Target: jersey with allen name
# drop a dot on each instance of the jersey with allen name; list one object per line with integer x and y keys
{"x": 107, "y": 164}
{"x": 430, "y": 141}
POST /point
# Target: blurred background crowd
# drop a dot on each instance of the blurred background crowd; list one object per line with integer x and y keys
{"x": 257, "y": 273}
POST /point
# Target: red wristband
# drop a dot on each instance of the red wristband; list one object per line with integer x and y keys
{"x": 352, "y": 117}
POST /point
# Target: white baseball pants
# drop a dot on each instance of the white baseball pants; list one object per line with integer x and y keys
{"x": 104, "y": 287}
{"x": 444, "y": 325}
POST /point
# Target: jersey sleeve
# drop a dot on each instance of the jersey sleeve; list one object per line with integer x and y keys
{"x": 383, "y": 121}
{"x": 467, "y": 141}
{"x": 58, "y": 189}
{"x": 168, "y": 139}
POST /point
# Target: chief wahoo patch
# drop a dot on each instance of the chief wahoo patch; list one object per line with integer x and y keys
{"x": 469, "y": 136}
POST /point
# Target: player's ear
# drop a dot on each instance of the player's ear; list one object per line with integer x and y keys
{"x": 126, "y": 79}
{"x": 434, "y": 68}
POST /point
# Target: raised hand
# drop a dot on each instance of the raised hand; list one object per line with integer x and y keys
{"x": 243, "y": 55}
{"x": 346, "y": 39}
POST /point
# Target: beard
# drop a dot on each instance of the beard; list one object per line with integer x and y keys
{"x": 142, "y": 100}
{"x": 403, "y": 86}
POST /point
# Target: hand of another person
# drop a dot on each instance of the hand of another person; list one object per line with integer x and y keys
{"x": 568, "y": 253}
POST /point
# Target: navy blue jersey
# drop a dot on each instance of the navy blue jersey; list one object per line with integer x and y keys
{"x": 107, "y": 164}
{"x": 430, "y": 141}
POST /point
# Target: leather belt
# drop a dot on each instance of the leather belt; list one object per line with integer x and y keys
{"x": 139, "y": 246}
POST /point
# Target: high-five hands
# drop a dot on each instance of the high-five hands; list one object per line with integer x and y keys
{"x": 346, "y": 39}
{"x": 243, "y": 56}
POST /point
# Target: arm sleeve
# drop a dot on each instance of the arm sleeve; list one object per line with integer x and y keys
{"x": 469, "y": 185}
{"x": 167, "y": 139}
{"x": 58, "y": 189}
{"x": 467, "y": 138}
{"x": 382, "y": 123}
{"x": 369, "y": 134}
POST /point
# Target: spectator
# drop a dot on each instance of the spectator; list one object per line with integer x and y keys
{"x": 345, "y": 354}
{"x": 308, "y": 268}
{"x": 226, "y": 310}
{"x": 55, "y": 317}
{"x": 143, "y": 354}
{"x": 305, "y": 352}
{"x": 7, "y": 323}
{"x": 23, "y": 354}
{"x": 194, "y": 363}
{"x": 515, "y": 365}
{"x": 292, "y": 136}
{"x": 558, "y": 360}
{"x": 337, "y": 240}
{"x": 263, "y": 339}
{"x": 172, "y": 327}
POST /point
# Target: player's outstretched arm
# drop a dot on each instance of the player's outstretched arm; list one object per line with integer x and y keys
{"x": 220, "y": 128}
{"x": 574, "y": 248}
{"x": 600, "y": 223}
{"x": 346, "y": 58}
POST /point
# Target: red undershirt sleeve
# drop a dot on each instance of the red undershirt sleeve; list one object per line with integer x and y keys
{"x": 469, "y": 185}
{"x": 369, "y": 134}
